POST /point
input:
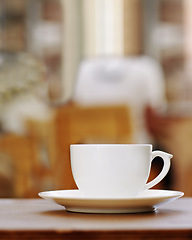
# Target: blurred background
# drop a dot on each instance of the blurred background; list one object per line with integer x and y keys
{"x": 92, "y": 71}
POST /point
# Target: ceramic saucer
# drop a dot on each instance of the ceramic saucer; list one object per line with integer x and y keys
{"x": 76, "y": 201}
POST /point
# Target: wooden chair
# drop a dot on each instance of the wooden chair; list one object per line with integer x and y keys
{"x": 41, "y": 159}
{"x": 19, "y": 150}
{"x": 32, "y": 158}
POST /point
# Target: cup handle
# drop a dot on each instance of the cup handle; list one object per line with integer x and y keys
{"x": 166, "y": 159}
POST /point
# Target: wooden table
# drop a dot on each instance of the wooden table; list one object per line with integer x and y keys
{"x": 41, "y": 219}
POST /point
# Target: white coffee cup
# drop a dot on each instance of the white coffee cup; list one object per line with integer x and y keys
{"x": 115, "y": 170}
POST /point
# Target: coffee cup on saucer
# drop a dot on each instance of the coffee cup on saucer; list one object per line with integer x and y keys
{"x": 115, "y": 170}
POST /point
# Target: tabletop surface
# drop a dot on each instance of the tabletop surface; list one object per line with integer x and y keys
{"x": 42, "y": 216}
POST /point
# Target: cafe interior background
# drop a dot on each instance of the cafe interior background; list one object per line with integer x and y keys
{"x": 92, "y": 71}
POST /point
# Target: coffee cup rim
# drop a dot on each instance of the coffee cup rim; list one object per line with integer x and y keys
{"x": 109, "y": 144}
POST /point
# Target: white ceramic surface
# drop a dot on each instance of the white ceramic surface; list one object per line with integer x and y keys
{"x": 76, "y": 201}
{"x": 115, "y": 169}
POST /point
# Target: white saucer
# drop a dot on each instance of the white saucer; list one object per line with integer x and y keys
{"x": 75, "y": 201}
